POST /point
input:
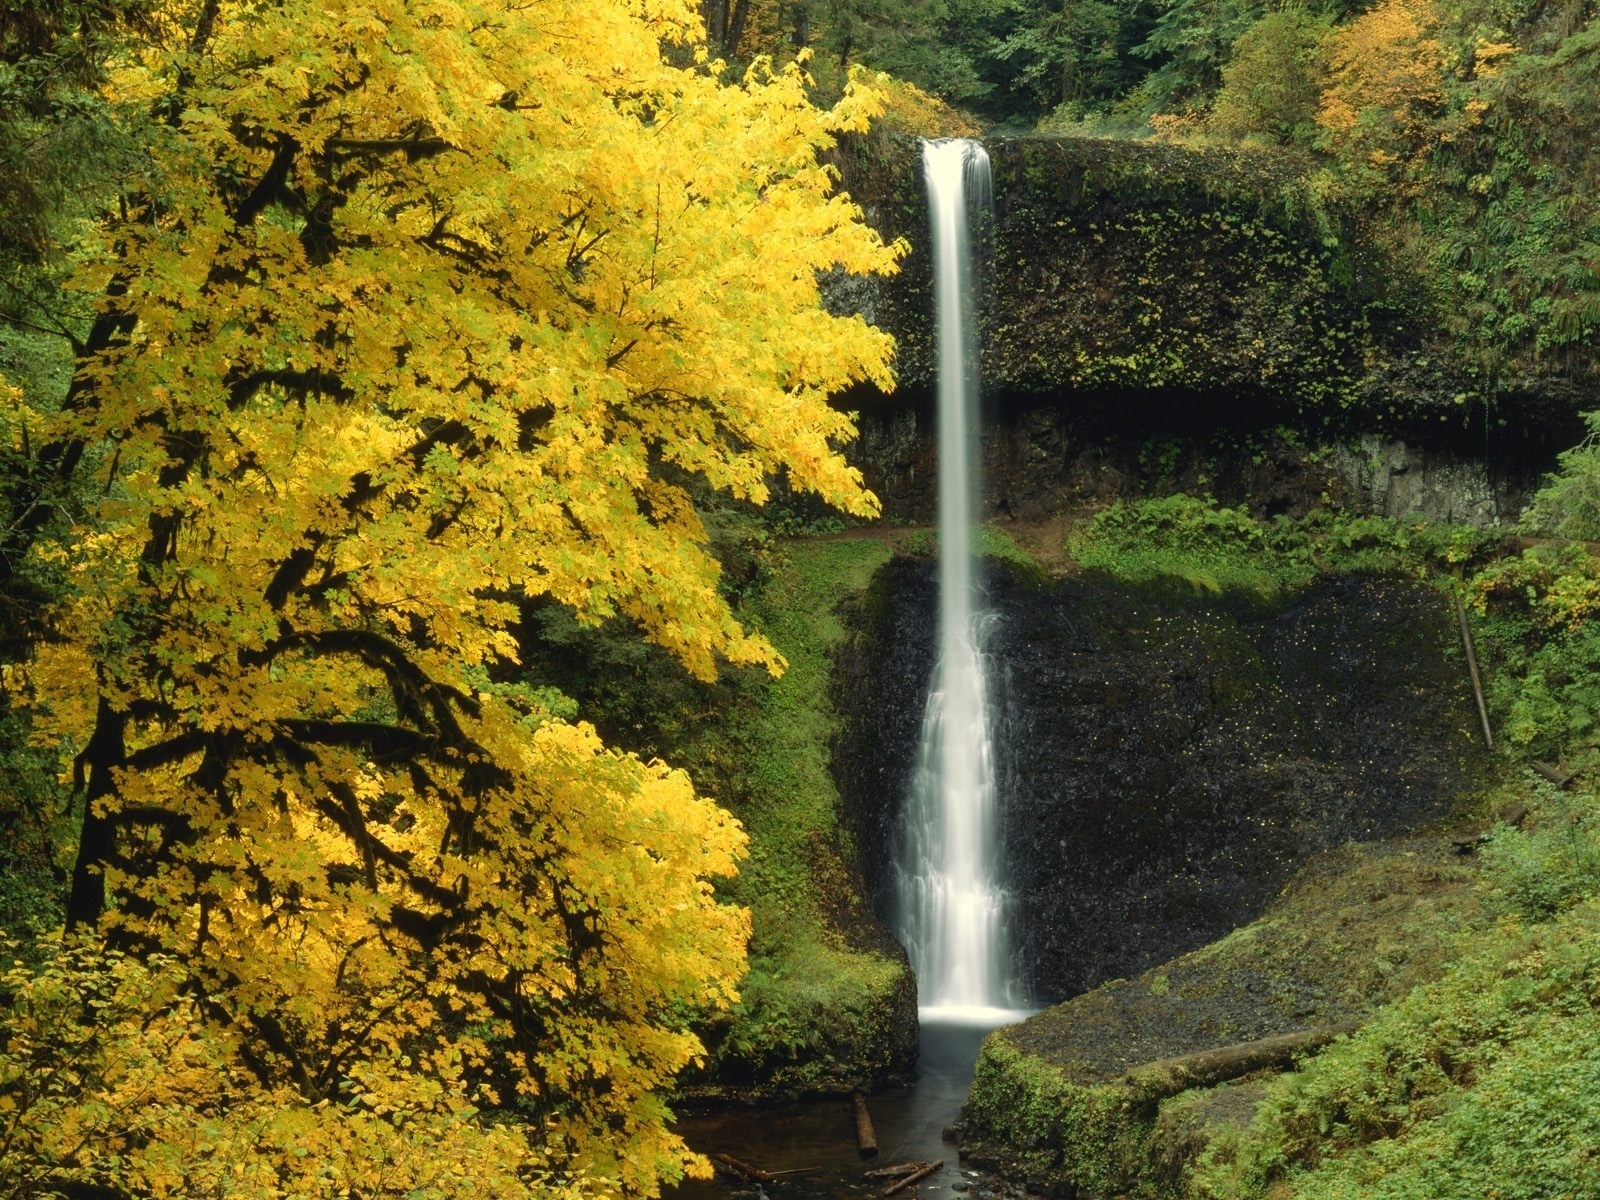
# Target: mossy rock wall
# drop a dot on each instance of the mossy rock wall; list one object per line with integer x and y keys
{"x": 1133, "y": 290}
{"x": 1168, "y": 757}
{"x": 829, "y": 1003}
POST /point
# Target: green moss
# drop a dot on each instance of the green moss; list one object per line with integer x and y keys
{"x": 829, "y": 1003}
{"x": 1058, "y": 1132}
{"x": 1356, "y": 928}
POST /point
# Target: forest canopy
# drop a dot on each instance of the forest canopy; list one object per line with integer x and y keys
{"x": 385, "y": 320}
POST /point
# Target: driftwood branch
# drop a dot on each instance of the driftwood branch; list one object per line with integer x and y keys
{"x": 1158, "y": 1080}
{"x": 916, "y": 1176}
{"x": 866, "y": 1138}
{"x": 740, "y": 1170}
{"x": 1472, "y": 669}
{"x": 895, "y": 1171}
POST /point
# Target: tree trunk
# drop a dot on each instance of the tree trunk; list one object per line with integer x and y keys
{"x": 866, "y": 1138}
{"x": 735, "y": 28}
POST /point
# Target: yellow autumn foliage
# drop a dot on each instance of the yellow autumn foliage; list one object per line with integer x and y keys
{"x": 432, "y": 307}
{"x": 1385, "y": 80}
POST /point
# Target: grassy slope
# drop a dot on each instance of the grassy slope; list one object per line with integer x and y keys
{"x": 827, "y": 1003}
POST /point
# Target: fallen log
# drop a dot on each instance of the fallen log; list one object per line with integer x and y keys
{"x": 1169, "y": 1076}
{"x": 916, "y": 1176}
{"x": 895, "y": 1171}
{"x": 1472, "y": 668}
{"x": 742, "y": 1171}
{"x": 1553, "y": 773}
{"x": 866, "y": 1138}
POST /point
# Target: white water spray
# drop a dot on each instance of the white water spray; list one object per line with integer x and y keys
{"x": 951, "y": 911}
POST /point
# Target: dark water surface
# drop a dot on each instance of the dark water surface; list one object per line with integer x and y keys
{"x": 816, "y": 1140}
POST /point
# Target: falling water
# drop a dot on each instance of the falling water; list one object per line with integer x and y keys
{"x": 951, "y": 911}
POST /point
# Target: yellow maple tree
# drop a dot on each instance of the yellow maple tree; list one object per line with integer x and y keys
{"x": 427, "y": 307}
{"x": 1385, "y": 84}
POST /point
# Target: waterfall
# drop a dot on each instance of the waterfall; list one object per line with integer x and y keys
{"x": 951, "y": 912}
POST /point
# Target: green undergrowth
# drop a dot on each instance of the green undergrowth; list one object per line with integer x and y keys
{"x": 1202, "y": 546}
{"x": 819, "y": 1007}
{"x": 1540, "y": 648}
{"x": 36, "y": 821}
{"x": 1484, "y": 1082}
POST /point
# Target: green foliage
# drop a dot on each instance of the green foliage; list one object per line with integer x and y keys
{"x": 1541, "y": 649}
{"x": 1510, "y": 220}
{"x": 1568, "y": 505}
{"x": 998, "y": 546}
{"x": 1484, "y": 1083}
{"x": 1188, "y": 46}
{"x": 1552, "y": 865}
{"x": 58, "y": 138}
{"x": 1539, "y": 637}
{"x": 1213, "y": 548}
{"x": 35, "y": 828}
{"x": 1209, "y": 547}
{"x": 811, "y": 1017}
{"x": 1272, "y": 82}
{"x": 1058, "y": 1119}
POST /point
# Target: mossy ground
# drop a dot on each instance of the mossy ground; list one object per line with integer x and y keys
{"x": 1357, "y": 927}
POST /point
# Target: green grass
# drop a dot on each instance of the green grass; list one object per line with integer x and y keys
{"x": 818, "y": 1009}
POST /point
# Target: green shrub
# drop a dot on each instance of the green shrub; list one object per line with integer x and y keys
{"x": 1215, "y": 548}
{"x": 1212, "y": 548}
{"x": 1483, "y": 1084}
{"x": 1552, "y": 865}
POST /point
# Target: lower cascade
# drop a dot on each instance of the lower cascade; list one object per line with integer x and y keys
{"x": 951, "y": 912}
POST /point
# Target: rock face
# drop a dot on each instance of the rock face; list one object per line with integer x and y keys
{"x": 1168, "y": 759}
{"x": 1149, "y": 306}
{"x": 1045, "y": 460}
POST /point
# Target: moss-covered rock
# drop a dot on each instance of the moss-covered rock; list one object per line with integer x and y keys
{"x": 1065, "y": 1100}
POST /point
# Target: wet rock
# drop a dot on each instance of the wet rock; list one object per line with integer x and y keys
{"x": 1168, "y": 759}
